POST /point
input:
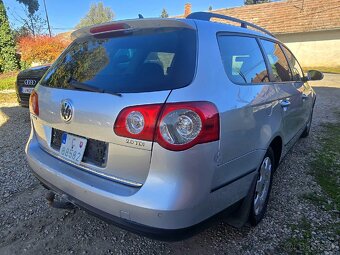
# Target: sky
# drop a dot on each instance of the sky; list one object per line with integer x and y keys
{"x": 65, "y": 14}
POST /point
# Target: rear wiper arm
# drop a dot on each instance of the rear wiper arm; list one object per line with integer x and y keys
{"x": 79, "y": 85}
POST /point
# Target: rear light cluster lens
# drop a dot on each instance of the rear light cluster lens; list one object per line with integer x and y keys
{"x": 180, "y": 127}
{"x": 34, "y": 103}
{"x": 135, "y": 122}
{"x": 138, "y": 122}
{"x": 175, "y": 126}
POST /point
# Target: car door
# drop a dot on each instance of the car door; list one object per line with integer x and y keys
{"x": 289, "y": 94}
{"x": 302, "y": 86}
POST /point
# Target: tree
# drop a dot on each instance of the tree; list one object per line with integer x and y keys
{"x": 164, "y": 14}
{"x": 32, "y": 5}
{"x": 34, "y": 24}
{"x": 40, "y": 49}
{"x": 97, "y": 14}
{"x": 210, "y": 8}
{"x": 8, "y": 60}
{"x": 31, "y": 22}
{"x": 248, "y": 2}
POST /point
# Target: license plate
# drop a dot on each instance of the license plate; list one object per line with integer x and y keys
{"x": 72, "y": 148}
{"x": 26, "y": 90}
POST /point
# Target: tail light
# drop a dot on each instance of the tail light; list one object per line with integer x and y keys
{"x": 138, "y": 122}
{"x": 109, "y": 28}
{"x": 34, "y": 103}
{"x": 183, "y": 125}
{"x": 175, "y": 126}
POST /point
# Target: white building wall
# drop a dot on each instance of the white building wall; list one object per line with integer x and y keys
{"x": 314, "y": 49}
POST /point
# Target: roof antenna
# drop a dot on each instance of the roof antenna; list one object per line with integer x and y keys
{"x": 140, "y": 16}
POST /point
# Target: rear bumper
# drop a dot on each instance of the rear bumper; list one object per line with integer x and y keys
{"x": 131, "y": 207}
{"x": 157, "y": 233}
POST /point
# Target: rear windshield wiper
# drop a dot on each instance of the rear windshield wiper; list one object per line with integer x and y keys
{"x": 79, "y": 85}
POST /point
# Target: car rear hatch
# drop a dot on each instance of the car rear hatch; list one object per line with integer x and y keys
{"x": 106, "y": 69}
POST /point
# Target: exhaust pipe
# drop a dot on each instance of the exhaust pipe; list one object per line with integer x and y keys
{"x": 64, "y": 203}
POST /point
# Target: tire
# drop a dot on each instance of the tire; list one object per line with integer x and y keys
{"x": 306, "y": 132}
{"x": 262, "y": 188}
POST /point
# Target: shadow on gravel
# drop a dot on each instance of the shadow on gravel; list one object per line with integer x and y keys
{"x": 14, "y": 132}
{"x": 14, "y": 115}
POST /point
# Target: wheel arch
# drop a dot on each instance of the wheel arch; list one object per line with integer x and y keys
{"x": 277, "y": 146}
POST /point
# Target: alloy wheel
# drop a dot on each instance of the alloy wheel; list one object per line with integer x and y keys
{"x": 262, "y": 185}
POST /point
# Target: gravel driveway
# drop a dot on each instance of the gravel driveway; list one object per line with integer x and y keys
{"x": 29, "y": 225}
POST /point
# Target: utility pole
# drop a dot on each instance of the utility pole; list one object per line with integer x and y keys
{"x": 48, "y": 22}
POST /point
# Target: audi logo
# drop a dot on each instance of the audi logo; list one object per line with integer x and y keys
{"x": 66, "y": 111}
{"x": 29, "y": 82}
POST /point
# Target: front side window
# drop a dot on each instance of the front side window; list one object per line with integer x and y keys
{"x": 294, "y": 65}
{"x": 242, "y": 59}
{"x": 277, "y": 60}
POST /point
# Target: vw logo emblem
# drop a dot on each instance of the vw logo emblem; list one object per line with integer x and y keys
{"x": 29, "y": 82}
{"x": 66, "y": 111}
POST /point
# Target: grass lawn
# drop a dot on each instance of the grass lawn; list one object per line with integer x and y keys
{"x": 334, "y": 69}
{"x": 8, "y": 98}
{"x": 7, "y": 80}
{"x": 325, "y": 168}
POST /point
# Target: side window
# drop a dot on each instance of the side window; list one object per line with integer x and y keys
{"x": 277, "y": 61}
{"x": 242, "y": 59}
{"x": 294, "y": 65}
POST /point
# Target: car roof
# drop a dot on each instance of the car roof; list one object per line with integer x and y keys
{"x": 137, "y": 24}
{"x": 174, "y": 22}
{"x": 223, "y": 27}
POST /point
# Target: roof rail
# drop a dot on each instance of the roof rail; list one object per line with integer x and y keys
{"x": 207, "y": 16}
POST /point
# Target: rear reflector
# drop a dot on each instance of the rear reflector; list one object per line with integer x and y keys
{"x": 34, "y": 103}
{"x": 175, "y": 126}
{"x": 109, "y": 28}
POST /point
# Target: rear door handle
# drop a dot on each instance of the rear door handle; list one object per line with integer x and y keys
{"x": 285, "y": 103}
{"x": 304, "y": 96}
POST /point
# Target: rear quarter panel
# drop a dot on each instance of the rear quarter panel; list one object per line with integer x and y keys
{"x": 250, "y": 116}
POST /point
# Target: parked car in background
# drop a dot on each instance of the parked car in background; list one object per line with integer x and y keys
{"x": 26, "y": 81}
{"x": 160, "y": 124}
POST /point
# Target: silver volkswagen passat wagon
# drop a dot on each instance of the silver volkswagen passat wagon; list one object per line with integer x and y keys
{"x": 159, "y": 124}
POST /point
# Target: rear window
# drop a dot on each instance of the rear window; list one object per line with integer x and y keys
{"x": 242, "y": 59}
{"x": 142, "y": 61}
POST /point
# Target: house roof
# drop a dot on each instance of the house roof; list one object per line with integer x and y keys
{"x": 292, "y": 16}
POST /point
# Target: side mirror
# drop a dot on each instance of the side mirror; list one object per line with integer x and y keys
{"x": 314, "y": 75}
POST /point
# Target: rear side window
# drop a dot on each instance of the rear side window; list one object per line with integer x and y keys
{"x": 277, "y": 60}
{"x": 141, "y": 61}
{"x": 242, "y": 59}
{"x": 294, "y": 65}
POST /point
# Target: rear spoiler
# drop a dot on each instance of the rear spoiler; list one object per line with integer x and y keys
{"x": 126, "y": 25}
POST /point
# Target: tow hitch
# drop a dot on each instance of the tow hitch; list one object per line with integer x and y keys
{"x": 63, "y": 203}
